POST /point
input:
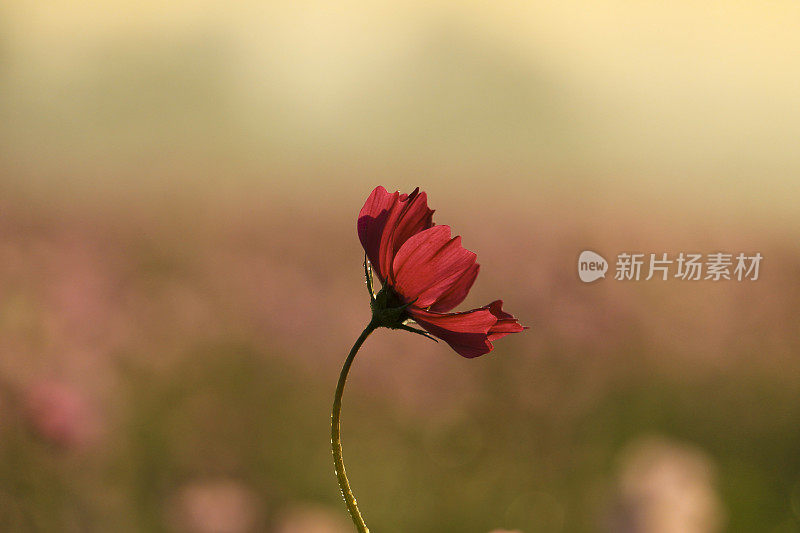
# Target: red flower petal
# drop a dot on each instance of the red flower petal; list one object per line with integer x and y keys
{"x": 429, "y": 264}
{"x": 457, "y": 292}
{"x": 409, "y": 217}
{"x": 372, "y": 223}
{"x": 466, "y": 333}
{"x": 506, "y": 323}
{"x": 469, "y": 333}
{"x": 387, "y": 221}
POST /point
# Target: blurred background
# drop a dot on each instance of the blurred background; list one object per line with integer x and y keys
{"x": 180, "y": 276}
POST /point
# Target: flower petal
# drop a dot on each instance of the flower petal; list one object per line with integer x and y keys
{"x": 408, "y": 218}
{"x": 466, "y": 333}
{"x": 386, "y": 221}
{"x": 469, "y": 333}
{"x": 506, "y": 323}
{"x": 428, "y": 265}
{"x": 372, "y": 224}
{"x": 457, "y": 291}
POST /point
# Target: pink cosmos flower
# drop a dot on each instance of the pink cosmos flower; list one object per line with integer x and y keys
{"x": 425, "y": 273}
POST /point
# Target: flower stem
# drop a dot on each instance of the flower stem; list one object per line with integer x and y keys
{"x": 336, "y": 440}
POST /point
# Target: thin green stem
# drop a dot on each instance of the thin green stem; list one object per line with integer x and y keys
{"x": 336, "y": 439}
{"x": 368, "y": 276}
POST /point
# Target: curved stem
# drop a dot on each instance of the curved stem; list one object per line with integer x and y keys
{"x": 336, "y": 441}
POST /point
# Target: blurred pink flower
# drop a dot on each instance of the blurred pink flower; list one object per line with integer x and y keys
{"x": 60, "y": 414}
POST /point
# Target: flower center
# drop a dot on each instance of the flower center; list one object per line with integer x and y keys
{"x": 389, "y": 308}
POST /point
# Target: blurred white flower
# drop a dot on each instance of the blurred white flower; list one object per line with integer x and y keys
{"x": 309, "y": 519}
{"x": 218, "y": 506}
{"x": 665, "y": 487}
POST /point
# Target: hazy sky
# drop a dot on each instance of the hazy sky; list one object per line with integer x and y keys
{"x": 641, "y": 92}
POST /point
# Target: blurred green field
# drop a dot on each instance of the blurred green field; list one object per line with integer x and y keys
{"x": 190, "y": 355}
